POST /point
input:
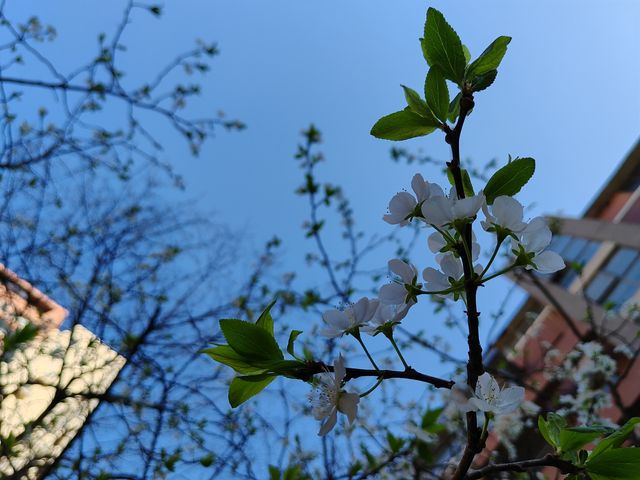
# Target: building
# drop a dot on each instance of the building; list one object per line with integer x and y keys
{"x": 49, "y": 385}
{"x": 591, "y": 300}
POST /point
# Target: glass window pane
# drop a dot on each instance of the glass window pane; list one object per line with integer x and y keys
{"x": 558, "y": 243}
{"x": 573, "y": 249}
{"x": 599, "y": 286}
{"x": 623, "y": 292}
{"x": 587, "y": 252}
{"x": 621, "y": 261}
{"x": 634, "y": 272}
{"x": 568, "y": 276}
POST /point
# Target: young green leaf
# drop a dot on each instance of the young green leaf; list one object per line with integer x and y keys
{"x": 509, "y": 179}
{"x": 543, "y": 427}
{"x": 551, "y": 428}
{"x": 437, "y": 94}
{"x": 442, "y": 47}
{"x": 616, "y": 439}
{"x": 292, "y": 340}
{"x": 265, "y": 320}
{"x": 402, "y": 125}
{"x": 250, "y": 341}
{"x": 228, "y": 356}
{"x": 454, "y": 108}
{"x": 489, "y": 59}
{"x": 467, "y": 53}
{"x": 243, "y": 388}
{"x": 418, "y": 105}
{"x": 466, "y": 182}
{"x": 615, "y": 464}
{"x": 572, "y": 439}
{"x": 484, "y": 81}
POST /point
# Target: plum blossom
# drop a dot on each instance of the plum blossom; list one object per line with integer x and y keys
{"x": 534, "y": 238}
{"x": 450, "y": 277}
{"x": 441, "y": 211}
{"x": 328, "y": 398}
{"x": 403, "y": 206}
{"x": 353, "y": 317}
{"x": 399, "y": 292}
{"x": 488, "y": 397}
{"x": 506, "y": 214}
{"x": 437, "y": 243}
{"x": 386, "y": 316}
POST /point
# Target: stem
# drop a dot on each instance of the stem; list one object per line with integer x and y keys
{"x": 357, "y": 336}
{"x": 395, "y": 346}
{"x": 522, "y": 466}
{"x": 493, "y": 257}
{"x": 475, "y": 366}
{"x": 497, "y": 274}
{"x": 372, "y": 388}
{"x": 312, "y": 368}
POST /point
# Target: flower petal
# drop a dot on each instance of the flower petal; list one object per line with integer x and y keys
{"x": 436, "y": 242}
{"x": 336, "y": 319}
{"x": 392, "y": 294}
{"x": 348, "y": 404}
{"x": 508, "y": 213}
{"x": 405, "y": 271}
{"x": 510, "y": 399}
{"x": 330, "y": 423}
{"x": 548, "y": 262}
{"x": 420, "y": 187}
{"x": 437, "y": 210}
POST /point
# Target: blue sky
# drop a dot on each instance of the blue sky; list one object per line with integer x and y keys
{"x": 567, "y": 94}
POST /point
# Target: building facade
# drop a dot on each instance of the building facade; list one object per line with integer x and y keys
{"x": 49, "y": 385}
{"x": 592, "y": 301}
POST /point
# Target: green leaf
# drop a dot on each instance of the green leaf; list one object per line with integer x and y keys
{"x": 430, "y": 417}
{"x": 274, "y": 473}
{"x": 243, "y": 388}
{"x": 437, "y": 94}
{"x": 571, "y": 439}
{"x": 509, "y": 179}
{"x": 423, "y": 47}
{"x": 401, "y": 126}
{"x": 228, "y": 356}
{"x": 292, "y": 340}
{"x": 418, "y": 105}
{"x": 489, "y": 59}
{"x": 466, "y": 182}
{"x": 454, "y": 108}
{"x": 442, "y": 47}
{"x": 616, "y": 439}
{"x": 250, "y": 341}
{"x": 467, "y": 53}
{"x": 483, "y": 81}
{"x": 265, "y": 320}
{"x": 551, "y": 428}
{"x": 615, "y": 464}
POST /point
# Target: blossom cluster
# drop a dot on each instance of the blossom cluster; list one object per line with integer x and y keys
{"x": 456, "y": 253}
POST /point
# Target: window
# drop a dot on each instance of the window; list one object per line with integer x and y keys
{"x": 618, "y": 280}
{"x": 572, "y": 250}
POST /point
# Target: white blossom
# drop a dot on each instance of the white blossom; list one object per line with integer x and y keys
{"x": 488, "y": 397}
{"x": 505, "y": 213}
{"x": 328, "y": 398}
{"x": 450, "y": 275}
{"x": 436, "y": 242}
{"x": 534, "y": 238}
{"x": 441, "y": 211}
{"x": 396, "y": 293}
{"x": 354, "y": 316}
{"x": 403, "y": 205}
{"x": 386, "y": 315}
